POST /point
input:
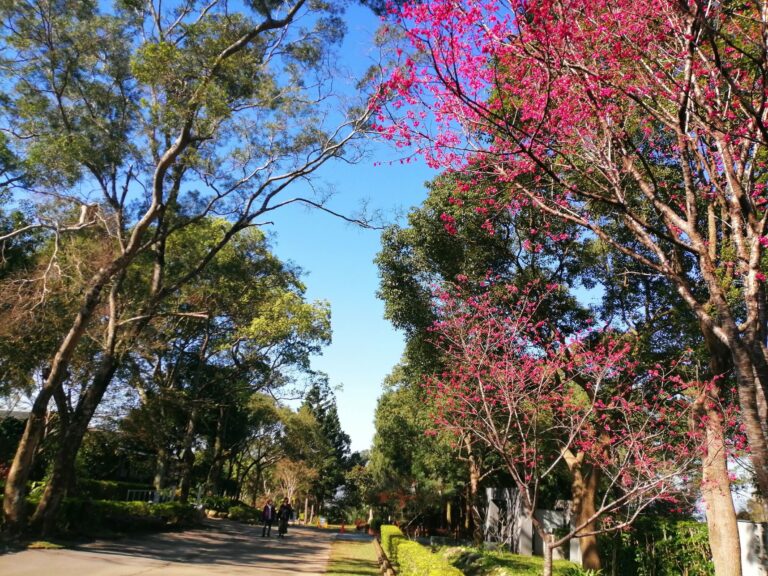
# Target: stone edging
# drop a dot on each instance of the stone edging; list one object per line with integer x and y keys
{"x": 384, "y": 564}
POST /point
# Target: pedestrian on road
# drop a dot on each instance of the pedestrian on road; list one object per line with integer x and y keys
{"x": 267, "y": 516}
{"x": 285, "y": 514}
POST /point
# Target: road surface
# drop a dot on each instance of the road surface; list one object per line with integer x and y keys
{"x": 220, "y": 547}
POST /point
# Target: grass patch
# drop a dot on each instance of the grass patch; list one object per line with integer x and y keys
{"x": 352, "y": 558}
{"x": 474, "y": 562}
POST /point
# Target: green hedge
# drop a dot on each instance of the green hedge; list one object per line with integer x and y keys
{"x": 412, "y": 558}
{"x": 391, "y": 536}
{"x": 417, "y": 560}
{"x": 81, "y": 516}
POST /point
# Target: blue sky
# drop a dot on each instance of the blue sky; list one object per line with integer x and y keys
{"x": 338, "y": 257}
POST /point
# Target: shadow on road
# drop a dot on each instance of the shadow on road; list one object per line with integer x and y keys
{"x": 218, "y": 547}
{"x": 223, "y": 542}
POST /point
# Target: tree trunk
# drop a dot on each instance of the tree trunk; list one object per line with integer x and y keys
{"x": 751, "y": 394}
{"x": 16, "y": 483}
{"x": 716, "y": 484}
{"x": 187, "y": 458}
{"x": 214, "y": 472}
{"x": 716, "y": 490}
{"x": 63, "y": 472}
{"x": 473, "y": 503}
{"x": 161, "y": 468}
{"x": 584, "y": 488}
{"x": 547, "y": 540}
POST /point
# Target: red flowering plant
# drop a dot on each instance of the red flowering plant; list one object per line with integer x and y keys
{"x": 644, "y": 123}
{"x": 543, "y": 401}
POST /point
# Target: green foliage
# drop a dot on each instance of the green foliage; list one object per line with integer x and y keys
{"x": 218, "y": 503}
{"x": 333, "y": 456}
{"x": 411, "y": 471}
{"x": 376, "y": 524}
{"x": 499, "y": 563}
{"x": 107, "y": 489}
{"x": 111, "y": 455}
{"x": 243, "y": 513}
{"x": 412, "y": 558}
{"x": 82, "y": 516}
{"x": 657, "y": 546}
{"x": 11, "y": 430}
{"x": 579, "y": 571}
{"x": 390, "y": 537}
{"x": 416, "y": 560}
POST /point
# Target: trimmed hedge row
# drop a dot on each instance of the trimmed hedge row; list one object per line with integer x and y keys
{"x": 391, "y": 536}
{"x": 412, "y": 558}
{"x": 93, "y": 517}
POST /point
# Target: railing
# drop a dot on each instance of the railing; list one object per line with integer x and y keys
{"x": 154, "y": 496}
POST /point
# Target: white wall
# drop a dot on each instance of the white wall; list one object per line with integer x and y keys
{"x": 754, "y": 548}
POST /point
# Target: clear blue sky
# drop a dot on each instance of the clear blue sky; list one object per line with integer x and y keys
{"x": 338, "y": 257}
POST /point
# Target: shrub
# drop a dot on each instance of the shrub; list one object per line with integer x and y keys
{"x": 107, "y": 489}
{"x": 579, "y": 571}
{"x": 658, "y": 546}
{"x": 417, "y": 560}
{"x": 390, "y": 537}
{"x": 244, "y": 514}
{"x": 81, "y": 516}
{"x": 219, "y": 503}
{"x": 413, "y": 558}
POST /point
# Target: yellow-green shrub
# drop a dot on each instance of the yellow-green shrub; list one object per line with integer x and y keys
{"x": 417, "y": 560}
{"x": 413, "y": 558}
{"x": 390, "y": 537}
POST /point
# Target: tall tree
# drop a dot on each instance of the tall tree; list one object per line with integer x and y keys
{"x": 143, "y": 119}
{"x": 320, "y": 402}
{"x": 542, "y": 399}
{"x": 440, "y": 245}
{"x": 648, "y": 117}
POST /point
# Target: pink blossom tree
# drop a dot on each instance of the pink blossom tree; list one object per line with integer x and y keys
{"x": 544, "y": 402}
{"x": 646, "y": 117}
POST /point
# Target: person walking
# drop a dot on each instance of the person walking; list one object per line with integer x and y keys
{"x": 284, "y": 514}
{"x": 267, "y": 516}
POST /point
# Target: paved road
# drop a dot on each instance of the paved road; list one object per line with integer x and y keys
{"x": 220, "y": 547}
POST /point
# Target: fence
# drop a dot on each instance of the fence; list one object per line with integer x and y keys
{"x": 154, "y": 496}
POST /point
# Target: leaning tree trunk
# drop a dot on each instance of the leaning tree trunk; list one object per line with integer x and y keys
{"x": 15, "y": 484}
{"x": 63, "y": 472}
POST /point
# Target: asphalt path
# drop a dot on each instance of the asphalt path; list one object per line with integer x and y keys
{"x": 219, "y": 547}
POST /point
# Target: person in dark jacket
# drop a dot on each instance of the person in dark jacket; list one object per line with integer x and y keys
{"x": 283, "y": 515}
{"x": 267, "y": 516}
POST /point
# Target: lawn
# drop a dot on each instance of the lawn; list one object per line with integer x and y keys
{"x": 352, "y": 558}
{"x": 475, "y": 562}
